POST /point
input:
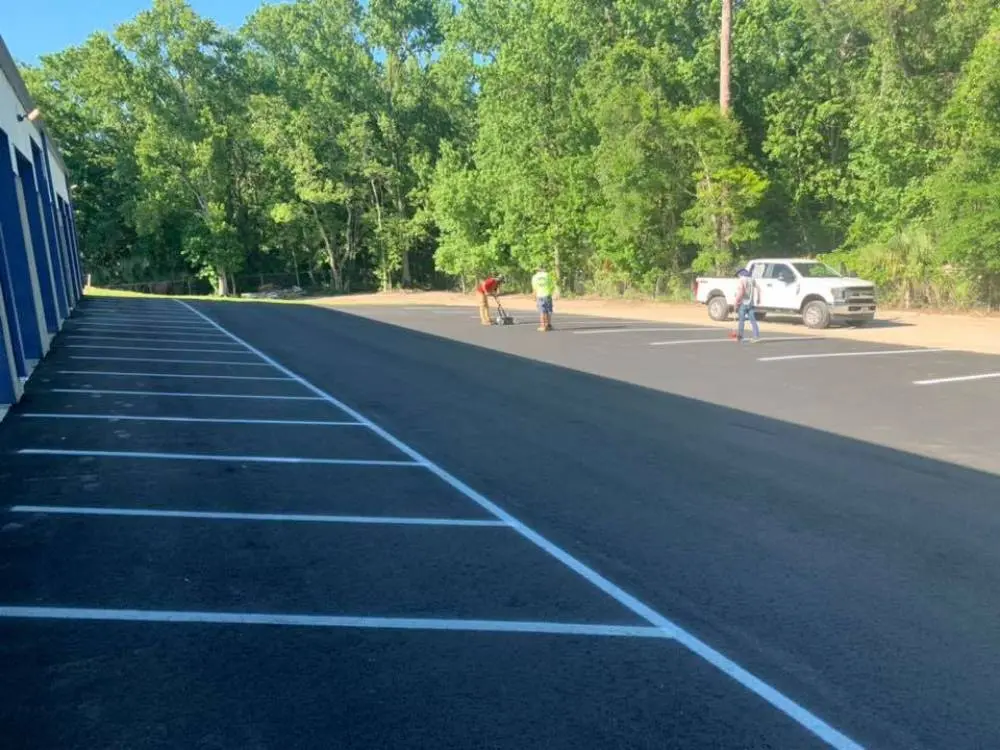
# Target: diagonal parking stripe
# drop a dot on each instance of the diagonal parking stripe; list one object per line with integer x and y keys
{"x": 180, "y": 394}
{"x": 328, "y": 621}
{"x": 723, "y": 339}
{"x": 80, "y": 325}
{"x": 596, "y": 331}
{"x": 203, "y": 420}
{"x": 213, "y": 457}
{"x": 958, "y": 379}
{"x": 230, "y": 363}
{"x": 167, "y": 375}
{"x": 230, "y": 350}
{"x": 110, "y": 335}
{"x": 829, "y": 355}
{"x": 227, "y": 516}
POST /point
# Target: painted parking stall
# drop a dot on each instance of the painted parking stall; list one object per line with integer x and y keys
{"x": 221, "y": 410}
{"x": 231, "y": 493}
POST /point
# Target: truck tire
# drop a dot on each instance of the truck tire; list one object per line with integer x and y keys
{"x": 816, "y": 314}
{"x": 718, "y": 308}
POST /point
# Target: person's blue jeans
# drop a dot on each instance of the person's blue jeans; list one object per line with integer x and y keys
{"x": 746, "y": 311}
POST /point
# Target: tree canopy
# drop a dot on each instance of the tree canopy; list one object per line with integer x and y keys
{"x": 423, "y": 142}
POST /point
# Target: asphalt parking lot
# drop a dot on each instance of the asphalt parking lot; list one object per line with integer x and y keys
{"x": 251, "y": 525}
{"x": 931, "y": 402}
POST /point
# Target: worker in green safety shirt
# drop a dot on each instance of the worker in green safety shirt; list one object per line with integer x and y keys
{"x": 544, "y": 286}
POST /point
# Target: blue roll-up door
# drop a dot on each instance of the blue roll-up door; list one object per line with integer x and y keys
{"x": 8, "y": 363}
{"x": 39, "y": 240}
{"x": 21, "y": 265}
{"x": 12, "y": 233}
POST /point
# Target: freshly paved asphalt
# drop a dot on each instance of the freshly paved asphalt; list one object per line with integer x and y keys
{"x": 860, "y": 580}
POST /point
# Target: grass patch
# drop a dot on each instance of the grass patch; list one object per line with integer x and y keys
{"x": 99, "y": 293}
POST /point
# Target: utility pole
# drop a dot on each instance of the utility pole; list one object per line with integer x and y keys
{"x": 724, "y": 56}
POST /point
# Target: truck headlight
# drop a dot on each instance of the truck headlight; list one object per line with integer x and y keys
{"x": 839, "y": 294}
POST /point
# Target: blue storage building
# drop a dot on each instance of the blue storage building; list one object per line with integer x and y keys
{"x": 41, "y": 278}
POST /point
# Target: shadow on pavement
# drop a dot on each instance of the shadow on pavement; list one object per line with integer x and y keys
{"x": 861, "y": 581}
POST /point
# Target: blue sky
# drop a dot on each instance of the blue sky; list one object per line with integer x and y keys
{"x": 36, "y": 27}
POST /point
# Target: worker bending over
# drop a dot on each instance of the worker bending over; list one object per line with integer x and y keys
{"x": 490, "y": 286}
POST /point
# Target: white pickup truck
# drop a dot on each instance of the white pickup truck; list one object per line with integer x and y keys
{"x": 790, "y": 286}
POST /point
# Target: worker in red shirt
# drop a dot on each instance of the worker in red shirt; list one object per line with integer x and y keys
{"x": 488, "y": 286}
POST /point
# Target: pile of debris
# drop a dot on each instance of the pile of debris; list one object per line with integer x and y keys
{"x": 269, "y": 292}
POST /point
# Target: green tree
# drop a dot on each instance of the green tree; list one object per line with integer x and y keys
{"x": 81, "y": 92}
{"x": 966, "y": 191}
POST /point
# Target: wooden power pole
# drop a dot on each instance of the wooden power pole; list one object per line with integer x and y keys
{"x": 724, "y": 56}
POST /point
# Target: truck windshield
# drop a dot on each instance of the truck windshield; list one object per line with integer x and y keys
{"x": 816, "y": 271}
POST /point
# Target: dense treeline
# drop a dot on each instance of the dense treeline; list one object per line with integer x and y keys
{"x": 412, "y": 142}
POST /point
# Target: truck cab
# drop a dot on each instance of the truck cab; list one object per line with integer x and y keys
{"x": 795, "y": 286}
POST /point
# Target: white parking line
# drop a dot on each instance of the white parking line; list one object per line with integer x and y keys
{"x": 213, "y": 457}
{"x": 596, "y": 331}
{"x": 172, "y": 361}
{"x": 203, "y": 420}
{"x": 328, "y": 621}
{"x": 142, "y": 336}
{"x": 115, "y": 319}
{"x": 959, "y": 379}
{"x": 280, "y": 517}
{"x": 169, "y": 375}
{"x": 127, "y": 322}
{"x": 825, "y": 355}
{"x": 722, "y": 338}
{"x": 669, "y": 629}
{"x": 103, "y": 392}
{"x": 230, "y": 350}
{"x": 107, "y": 327}
{"x": 126, "y": 315}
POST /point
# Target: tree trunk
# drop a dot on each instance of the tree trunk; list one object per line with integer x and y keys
{"x": 295, "y": 267}
{"x": 407, "y": 280}
{"x": 349, "y": 246}
{"x": 724, "y": 56}
{"x": 334, "y": 271}
{"x": 222, "y": 282}
{"x": 331, "y": 254}
{"x": 394, "y": 69}
{"x": 384, "y": 261}
{"x": 349, "y": 231}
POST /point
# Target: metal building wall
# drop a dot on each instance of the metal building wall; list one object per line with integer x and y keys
{"x": 40, "y": 270}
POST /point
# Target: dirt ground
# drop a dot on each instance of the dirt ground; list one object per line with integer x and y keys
{"x": 973, "y": 333}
